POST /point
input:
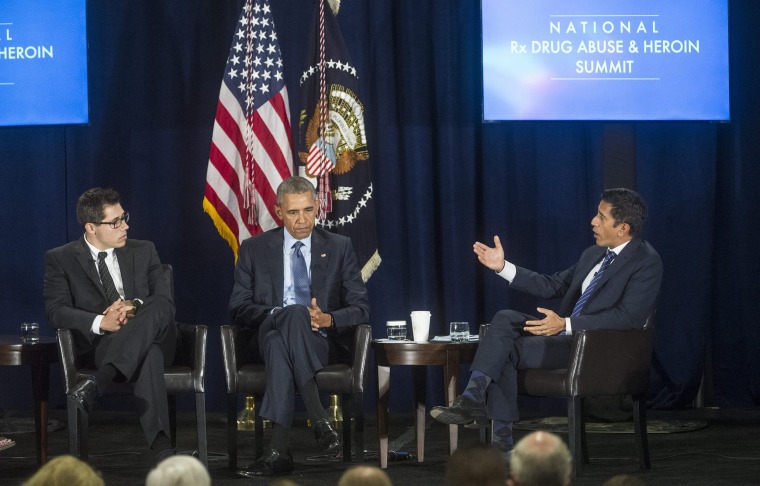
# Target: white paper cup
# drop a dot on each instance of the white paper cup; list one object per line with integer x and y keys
{"x": 421, "y": 326}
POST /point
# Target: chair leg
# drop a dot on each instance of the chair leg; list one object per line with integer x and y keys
{"x": 359, "y": 426}
{"x": 575, "y": 432}
{"x": 172, "y": 401}
{"x": 73, "y": 419}
{"x": 258, "y": 428}
{"x": 84, "y": 436}
{"x": 347, "y": 409}
{"x": 640, "y": 428}
{"x": 200, "y": 424}
{"x": 486, "y": 433}
{"x": 584, "y": 443}
{"x": 232, "y": 430}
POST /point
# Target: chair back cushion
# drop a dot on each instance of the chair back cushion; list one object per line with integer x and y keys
{"x": 602, "y": 363}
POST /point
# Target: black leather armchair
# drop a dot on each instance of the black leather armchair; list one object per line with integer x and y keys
{"x": 186, "y": 375}
{"x": 602, "y": 363}
{"x": 346, "y": 380}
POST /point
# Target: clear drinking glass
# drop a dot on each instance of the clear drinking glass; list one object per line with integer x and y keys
{"x": 396, "y": 330}
{"x": 30, "y": 332}
{"x": 459, "y": 331}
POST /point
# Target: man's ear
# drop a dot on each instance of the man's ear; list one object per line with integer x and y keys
{"x": 278, "y": 211}
{"x": 89, "y": 228}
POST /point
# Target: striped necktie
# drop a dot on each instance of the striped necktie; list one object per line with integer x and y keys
{"x": 594, "y": 282}
{"x": 105, "y": 278}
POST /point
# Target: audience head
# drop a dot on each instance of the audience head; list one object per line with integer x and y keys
{"x": 91, "y": 205}
{"x": 475, "y": 466}
{"x": 179, "y": 471}
{"x": 540, "y": 459}
{"x": 624, "y": 480}
{"x": 365, "y": 476}
{"x": 627, "y": 207}
{"x": 283, "y": 482}
{"x": 65, "y": 471}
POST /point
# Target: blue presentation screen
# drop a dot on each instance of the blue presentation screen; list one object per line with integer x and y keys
{"x": 43, "y": 62}
{"x": 603, "y": 60}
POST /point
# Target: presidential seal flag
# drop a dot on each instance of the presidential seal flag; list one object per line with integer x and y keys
{"x": 332, "y": 140}
{"x": 251, "y": 142}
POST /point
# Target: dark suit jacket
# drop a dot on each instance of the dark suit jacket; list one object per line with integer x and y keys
{"x": 74, "y": 294}
{"x": 623, "y": 298}
{"x": 335, "y": 281}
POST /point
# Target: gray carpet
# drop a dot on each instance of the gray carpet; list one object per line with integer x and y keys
{"x": 726, "y": 452}
{"x": 558, "y": 425}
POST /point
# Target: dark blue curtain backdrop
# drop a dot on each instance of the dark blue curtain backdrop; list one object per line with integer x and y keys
{"x": 443, "y": 180}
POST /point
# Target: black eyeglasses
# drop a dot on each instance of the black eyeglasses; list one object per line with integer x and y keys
{"x": 116, "y": 223}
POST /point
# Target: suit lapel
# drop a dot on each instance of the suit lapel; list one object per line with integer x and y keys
{"x": 84, "y": 257}
{"x": 583, "y": 269}
{"x": 320, "y": 257}
{"x": 618, "y": 262}
{"x": 275, "y": 262}
{"x": 127, "y": 269}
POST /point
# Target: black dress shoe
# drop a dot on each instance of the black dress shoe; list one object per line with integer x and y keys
{"x": 462, "y": 411}
{"x": 326, "y": 436}
{"x": 271, "y": 463}
{"x": 84, "y": 394}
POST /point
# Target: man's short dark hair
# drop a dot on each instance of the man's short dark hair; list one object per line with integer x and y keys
{"x": 91, "y": 205}
{"x": 294, "y": 185}
{"x": 475, "y": 466}
{"x": 627, "y": 207}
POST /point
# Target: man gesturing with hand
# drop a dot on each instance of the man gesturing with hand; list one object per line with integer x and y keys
{"x": 614, "y": 285}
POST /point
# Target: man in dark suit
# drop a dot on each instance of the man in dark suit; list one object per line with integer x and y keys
{"x": 115, "y": 296}
{"x": 614, "y": 285}
{"x": 297, "y": 297}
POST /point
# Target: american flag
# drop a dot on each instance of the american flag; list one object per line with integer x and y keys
{"x": 251, "y": 142}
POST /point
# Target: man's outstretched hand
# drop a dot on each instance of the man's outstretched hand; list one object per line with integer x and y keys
{"x": 493, "y": 258}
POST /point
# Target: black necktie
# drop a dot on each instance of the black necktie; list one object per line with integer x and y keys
{"x": 106, "y": 280}
{"x": 592, "y": 285}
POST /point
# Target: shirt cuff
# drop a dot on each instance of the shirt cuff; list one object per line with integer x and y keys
{"x": 509, "y": 272}
{"x": 568, "y": 326}
{"x": 96, "y": 325}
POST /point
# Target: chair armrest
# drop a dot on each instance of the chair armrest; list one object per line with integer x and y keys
{"x": 68, "y": 358}
{"x": 362, "y": 340}
{"x": 610, "y": 362}
{"x": 191, "y": 352}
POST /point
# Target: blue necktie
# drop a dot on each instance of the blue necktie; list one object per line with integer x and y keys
{"x": 594, "y": 282}
{"x": 301, "y": 285}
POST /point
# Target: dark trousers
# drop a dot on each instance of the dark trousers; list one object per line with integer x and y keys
{"x": 505, "y": 349}
{"x": 141, "y": 350}
{"x": 292, "y": 354}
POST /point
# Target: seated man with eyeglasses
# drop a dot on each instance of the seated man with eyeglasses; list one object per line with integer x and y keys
{"x": 115, "y": 296}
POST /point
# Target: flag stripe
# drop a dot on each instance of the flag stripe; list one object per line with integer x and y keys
{"x": 251, "y": 143}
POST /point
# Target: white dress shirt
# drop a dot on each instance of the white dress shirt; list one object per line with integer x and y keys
{"x": 113, "y": 268}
